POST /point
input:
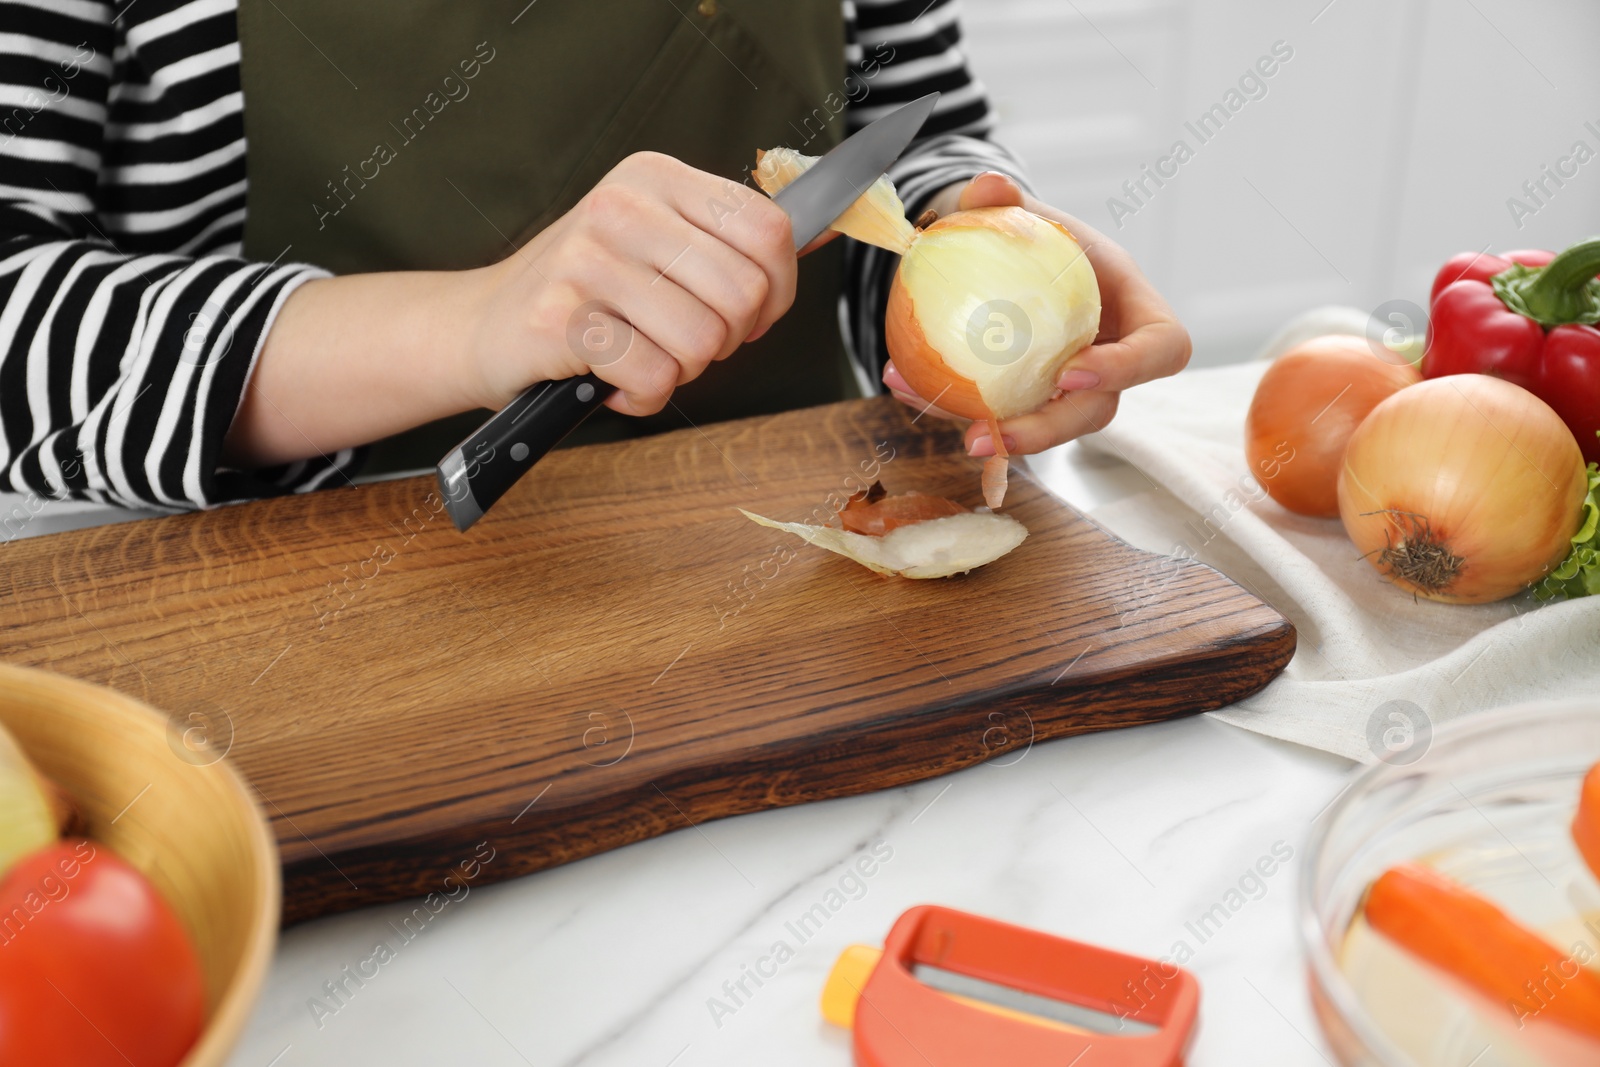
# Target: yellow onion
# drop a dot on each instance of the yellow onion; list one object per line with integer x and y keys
{"x": 1306, "y": 406}
{"x": 987, "y": 307}
{"x": 1463, "y": 489}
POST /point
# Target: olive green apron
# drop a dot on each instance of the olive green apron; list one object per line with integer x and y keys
{"x": 439, "y": 134}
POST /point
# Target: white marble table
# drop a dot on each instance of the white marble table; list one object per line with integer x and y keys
{"x": 1126, "y": 839}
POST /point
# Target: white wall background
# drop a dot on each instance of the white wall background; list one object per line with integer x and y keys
{"x": 1391, "y": 140}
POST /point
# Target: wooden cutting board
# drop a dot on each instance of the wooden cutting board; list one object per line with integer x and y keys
{"x": 614, "y": 651}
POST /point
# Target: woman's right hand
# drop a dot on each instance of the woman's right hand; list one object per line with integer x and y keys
{"x": 692, "y": 265}
{"x": 659, "y": 270}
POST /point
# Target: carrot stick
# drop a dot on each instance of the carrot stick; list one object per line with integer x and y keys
{"x": 1471, "y": 939}
{"x": 1586, "y": 824}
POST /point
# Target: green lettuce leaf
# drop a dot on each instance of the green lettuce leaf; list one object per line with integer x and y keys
{"x": 1579, "y": 573}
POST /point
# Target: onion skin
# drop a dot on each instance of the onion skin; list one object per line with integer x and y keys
{"x": 920, "y": 364}
{"x": 1031, "y": 239}
{"x": 1306, "y": 407}
{"x": 888, "y": 513}
{"x": 996, "y": 473}
{"x": 1478, "y": 472}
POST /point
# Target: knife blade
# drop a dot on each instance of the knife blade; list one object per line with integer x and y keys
{"x": 481, "y": 469}
{"x": 834, "y": 182}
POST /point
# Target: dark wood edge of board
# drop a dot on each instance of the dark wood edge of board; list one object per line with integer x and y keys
{"x": 864, "y": 758}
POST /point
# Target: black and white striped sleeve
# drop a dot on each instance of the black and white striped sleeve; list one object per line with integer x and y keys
{"x": 896, "y": 51}
{"x": 122, "y": 366}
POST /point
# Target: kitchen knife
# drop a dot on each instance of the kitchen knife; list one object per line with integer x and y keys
{"x": 480, "y": 470}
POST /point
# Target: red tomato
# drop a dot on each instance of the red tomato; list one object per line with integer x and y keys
{"x": 95, "y": 969}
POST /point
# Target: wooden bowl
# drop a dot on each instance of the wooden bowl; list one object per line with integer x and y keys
{"x": 181, "y": 816}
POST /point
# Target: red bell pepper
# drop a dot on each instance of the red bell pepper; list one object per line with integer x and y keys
{"x": 1526, "y": 317}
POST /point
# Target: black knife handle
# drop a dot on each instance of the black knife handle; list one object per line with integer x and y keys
{"x": 479, "y": 470}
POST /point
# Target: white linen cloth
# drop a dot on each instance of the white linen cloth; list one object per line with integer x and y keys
{"x": 1369, "y": 656}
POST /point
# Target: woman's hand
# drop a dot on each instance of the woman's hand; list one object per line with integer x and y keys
{"x": 1140, "y": 338}
{"x": 659, "y": 270}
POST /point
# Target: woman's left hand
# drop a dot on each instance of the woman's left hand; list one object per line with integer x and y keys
{"x": 1140, "y": 338}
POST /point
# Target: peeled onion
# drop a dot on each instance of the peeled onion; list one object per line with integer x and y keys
{"x": 1306, "y": 406}
{"x": 987, "y": 305}
{"x": 986, "y": 309}
{"x": 1463, "y": 489}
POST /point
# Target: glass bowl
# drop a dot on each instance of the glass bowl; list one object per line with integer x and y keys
{"x": 1489, "y": 804}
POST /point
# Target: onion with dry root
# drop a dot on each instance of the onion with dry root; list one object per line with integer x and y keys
{"x": 1463, "y": 489}
{"x": 911, "y": 535}
{"x": 1306, "y": 406}
{"x": 986, "y": 308}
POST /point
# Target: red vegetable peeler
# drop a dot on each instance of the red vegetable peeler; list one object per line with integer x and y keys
{"x": 951, "y": 989}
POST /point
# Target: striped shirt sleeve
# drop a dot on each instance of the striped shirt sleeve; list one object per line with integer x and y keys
{"x": 895, "y": 52}
{"x": 129, "y": 323}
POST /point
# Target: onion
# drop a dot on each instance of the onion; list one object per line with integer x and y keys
{"x": 1463, "y": 489}
{"x": 987, "y": 305}
{"x": 986, "y": 308}
{"x": 1306, "y": 407}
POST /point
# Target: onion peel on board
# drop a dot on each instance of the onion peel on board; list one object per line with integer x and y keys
{"x": 874, "y": 513}
{"x": 865, "y": 498}
{"x": 911, "y": 535}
